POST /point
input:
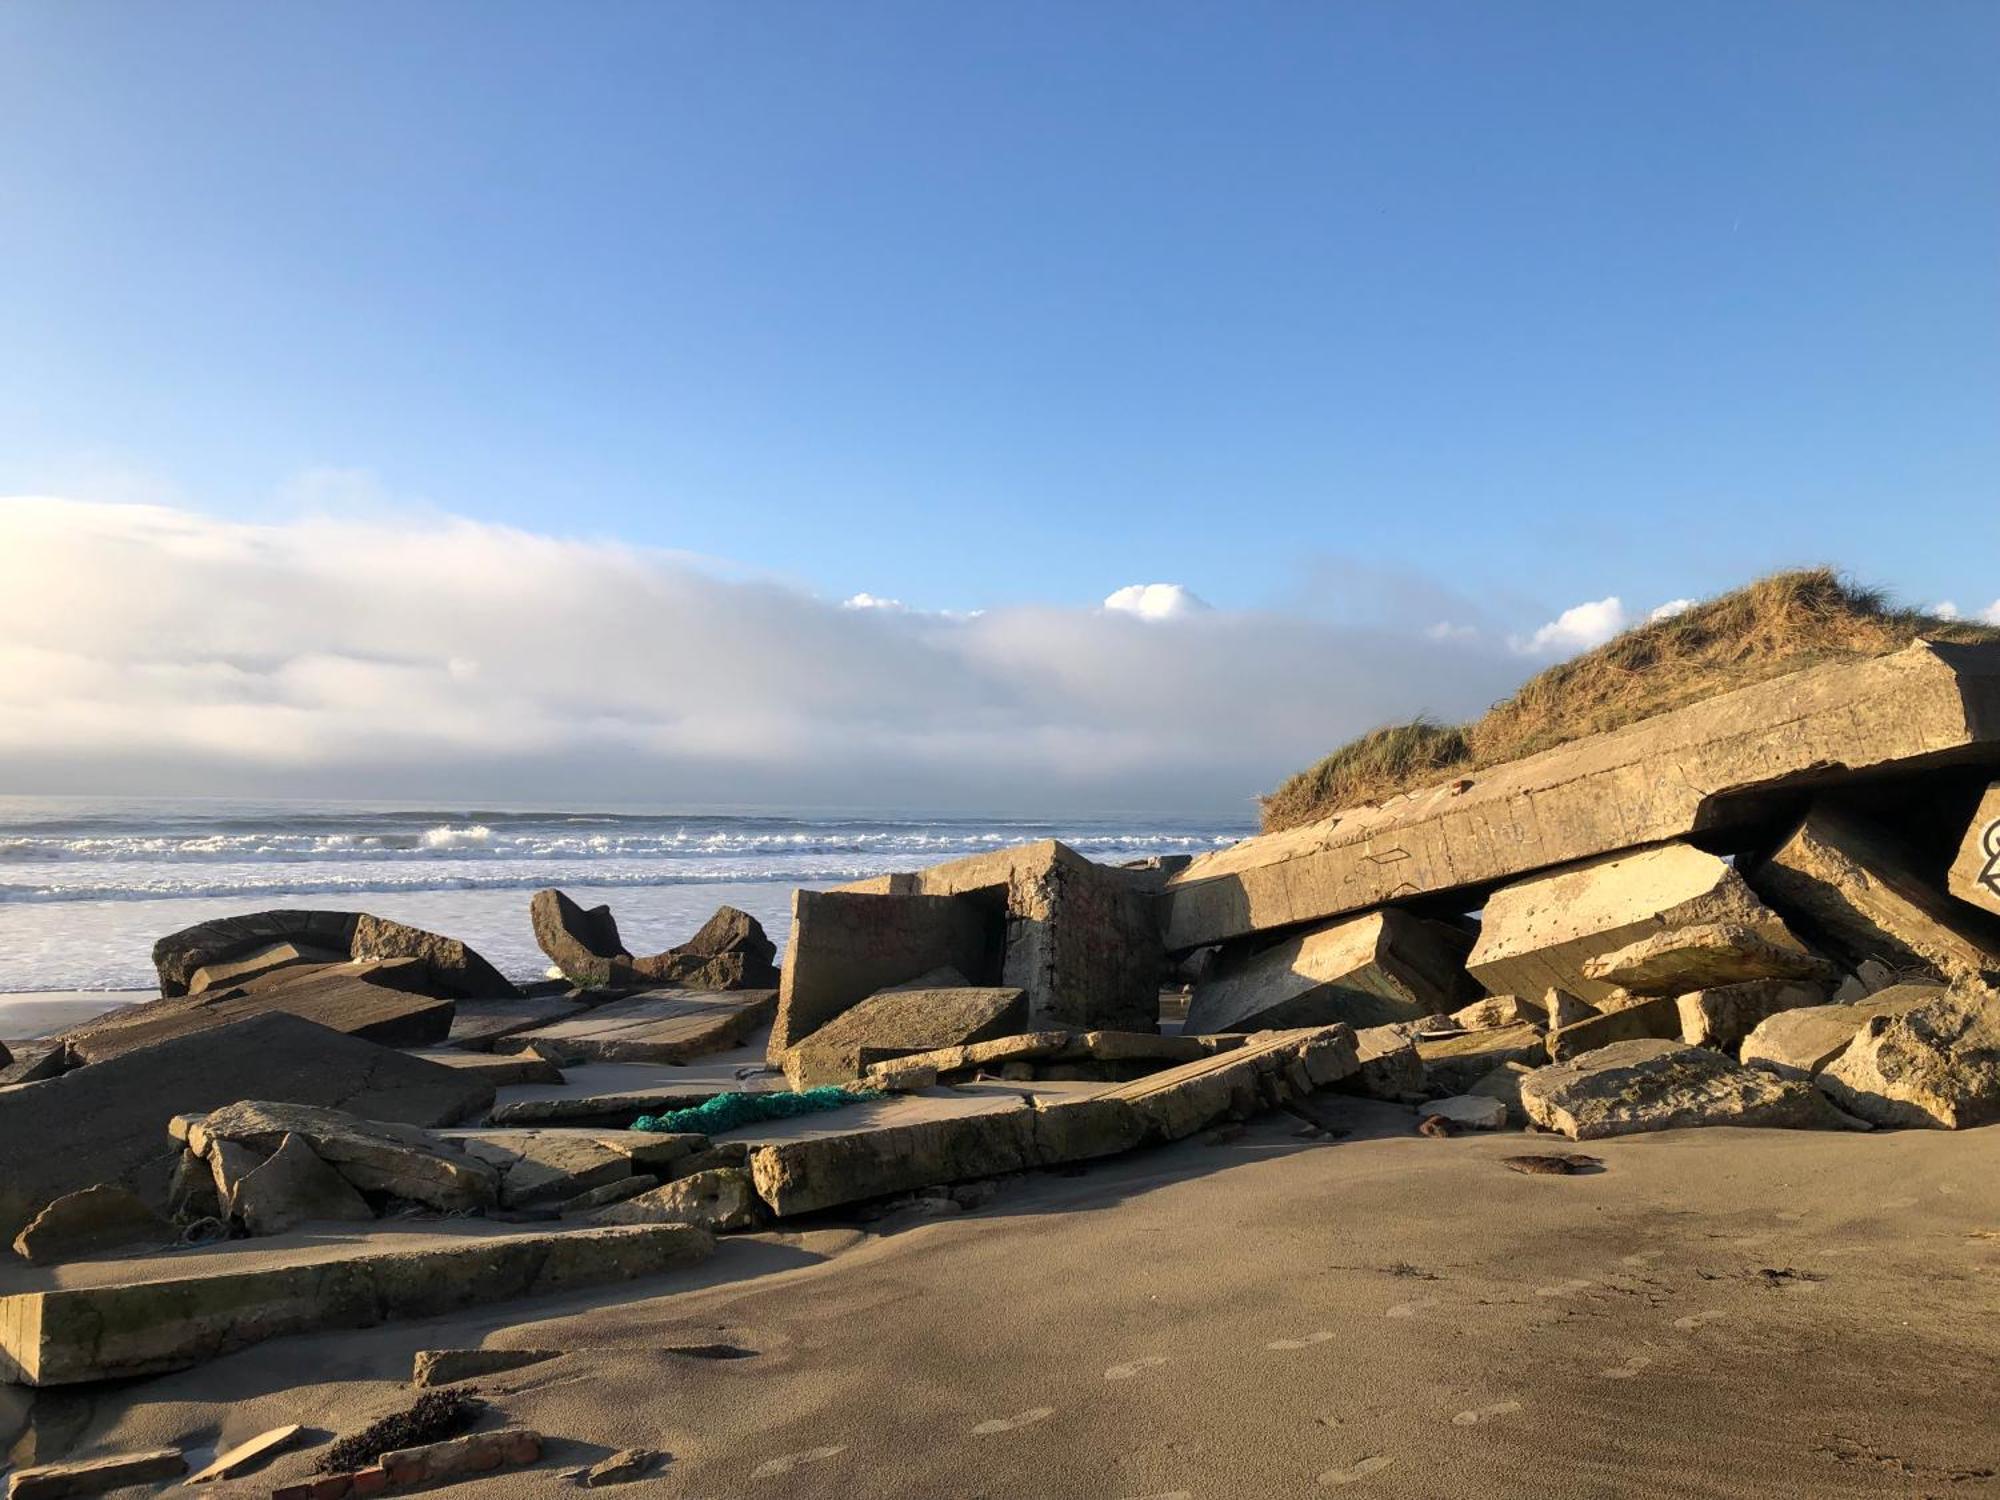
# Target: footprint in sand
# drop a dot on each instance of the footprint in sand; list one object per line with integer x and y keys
{"x": 1019, "y": 1420}
{"x": 1699, "y": 1320}
{"x": 1478, "y": 1414}
{"x": 1373, "y": 1464}
{"x": 1126, "y": 1372}
{"x": 771, "y": 1468}
{"x": 1318, "y": 1336}
{"x": 1564, "y": 1288}
{"x": 1632, "y": 1366}
{"x": 1409, "y": 1309}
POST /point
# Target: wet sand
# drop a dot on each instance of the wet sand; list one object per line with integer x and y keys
{"x": 1718, "y": 1313}
{"x": 39, "y": 1013}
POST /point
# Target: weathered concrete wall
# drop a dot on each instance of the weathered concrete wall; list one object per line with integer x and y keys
{"x": 1665, "y": 777}
{"x": 848, "y": 944}
{"x": 1082, "y": 938}
{"x": 1975, "y": 873}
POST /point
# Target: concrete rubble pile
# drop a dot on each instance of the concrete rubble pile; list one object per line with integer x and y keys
{"x": 1776, "y": 908}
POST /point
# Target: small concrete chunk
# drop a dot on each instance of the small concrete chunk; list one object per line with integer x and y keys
{"x": 625, "y": 1465}
{"x": 93, "y": 1476}
{"x": 245, "y": 1456}
{"x": 474, "y": 1453}
{"x": 453, "y": 966}
{"x": 1455, "y": 1063}
{"x": 433, "y": 1367}
{"x": 1937, "y": 1064}
{"x": 1469, "y": 1111}
{"x": 605, "y": 1196}
{"x": 257, "y": 963}
{"x": 579, "y": 941}
{"x": 1649, "y": 1084}
{"x": 1498, "y": 1011}
{"x": 87, "y": 1223}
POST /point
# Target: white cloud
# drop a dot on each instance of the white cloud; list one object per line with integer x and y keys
{"x": 872, "y": 601}
{"x": 1578, "y": 628}
{"x": 1156, "y": 601}
{"x": 1671, "y": 608}
{"x": 154, "y": 649}
{"x": 1944, "y": 610}
{"x": 1445, "y": 630}
{"x": 1991, "y": 614}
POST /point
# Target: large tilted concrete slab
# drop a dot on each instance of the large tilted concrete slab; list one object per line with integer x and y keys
{"x": 658, "y": 1026}
{"x": 108, "y": 1122}
{"x": 1848, "y": 882}
{"x": 1367, "y": 971}
{"x": 1672, "y": 775}
{"x": 1539, "y": 933}
{"x": 1082, "y": 939}
{"x": 121, "y": 1318}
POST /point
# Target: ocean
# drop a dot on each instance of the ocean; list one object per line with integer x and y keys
{"x": 87, "y": 884}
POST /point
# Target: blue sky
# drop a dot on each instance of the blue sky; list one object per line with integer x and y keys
{"x": 1378, "y": 314}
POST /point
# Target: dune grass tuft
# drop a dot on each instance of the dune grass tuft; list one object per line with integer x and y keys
{"x": 1782, "y": 623}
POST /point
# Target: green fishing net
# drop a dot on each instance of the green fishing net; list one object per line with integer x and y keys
{"x": 727, "y": 1111}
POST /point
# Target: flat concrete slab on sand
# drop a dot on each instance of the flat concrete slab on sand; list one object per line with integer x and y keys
{"x": 658, "y": 1026}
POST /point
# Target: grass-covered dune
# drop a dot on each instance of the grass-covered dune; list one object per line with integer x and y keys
{"x": 1776, "y": 625}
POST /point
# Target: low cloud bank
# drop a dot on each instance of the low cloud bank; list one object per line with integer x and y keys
{"x": 148, "y": 649}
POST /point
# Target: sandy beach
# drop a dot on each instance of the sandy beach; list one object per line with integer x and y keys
{"x": 1717, "y": 1313}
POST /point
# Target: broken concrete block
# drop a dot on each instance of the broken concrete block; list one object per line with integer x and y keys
{"x": 658, "y": 1026}
{"x": 247, "y": 1455}
{"x": 586, "y": 1203}
{"x": 1869, "y": 976}
{"x": 622, "y": 1467}
{"x": 1705, "y": 956}
{"x": 180, "y": 1310}
{"x": 555, "y": 1165}
{"x": 1179, "y": 1101}
{"x": 497, "y": 1068}
{"x": 730, "y": 952}
{"x": 1504, "y": 1084}
{"x": 1498, "y": 1011}
{"x": 718, "y": 1201}
{"x": 454, "y": 1458}
{"x": 436, "y": 1367}
{"x": 1975, "y": 873}
{"x": 1541, "y": 932}
{"x": 478, "y": 1025}
{"x": 1388, "y": 1065}
{"x": 454, "y": 967}
{"x": 370, "y": 1155}
{"x": 93, "y": 1476}
{"x": 1367, "y": 971}
{"x": 802, "y": 1176}
{"x": 177, "y": 955}
{"x": 369, "y": 1002}
{"x": 973, "y": 1057}
{"x": 1847, "y": 883}
{"x": 292, "y": 1187}
{"x": 1081, "y": 938}
{"x": 1561, "y": 1008}
{"x": 1936, "y": 1064}
{"x": 1454, "y": 1063}
{"x": 846, "y": 946}
{"x": 1798, "y": 1043}
{"x": 1724, "y": 1016}
{"x": 579, "y": 942}
{"x": 1677, "y": 773}
{"x": 1649, "y": 1084}
{"x": 229, "y": 1163}
{"x": 1467, "y": 1111}
{"x": 88, "y": 1223}
{"x": 107, "y": 1123}
{"x": 257, "y": 963}
{"x": 901, "y": 1021}
{"x": 1626, "y": 1019}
